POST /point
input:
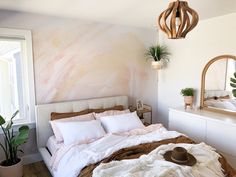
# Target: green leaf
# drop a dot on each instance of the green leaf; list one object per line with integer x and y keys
{"x": 2, "y": 120}
{"x": 21, "y": 137}
{"x": 187, "y": 92}
{"x": 14, "y": 115}
{"x": 233, "y": 85}
{"x": 234, "y": 92}
{"x": 9, "y": 125}
{"x": 233, "y": 80}
{"x": 24, "y": 128}
{"x": 158, "y": 52}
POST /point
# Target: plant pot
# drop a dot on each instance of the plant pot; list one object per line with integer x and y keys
{"x": 157, "y": 64}
{"x": 12, "y": 171}
{"x": 188, "y": 100}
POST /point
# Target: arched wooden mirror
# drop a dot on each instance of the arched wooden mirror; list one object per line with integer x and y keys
{"x": 216, "y": 91}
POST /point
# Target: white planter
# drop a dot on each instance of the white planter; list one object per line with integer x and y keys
{"x": 157, "y": 64}
{"x": 12, "y": 171}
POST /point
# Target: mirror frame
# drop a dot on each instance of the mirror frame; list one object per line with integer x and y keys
{"x": 203, "y": 84}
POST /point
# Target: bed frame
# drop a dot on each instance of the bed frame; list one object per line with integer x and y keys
{"x": 43, "y": 115}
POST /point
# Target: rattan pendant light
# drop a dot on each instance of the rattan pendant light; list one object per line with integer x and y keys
{"x": 178, "y": 19}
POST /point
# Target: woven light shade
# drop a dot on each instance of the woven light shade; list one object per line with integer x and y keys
{"x": 178, "y": 20}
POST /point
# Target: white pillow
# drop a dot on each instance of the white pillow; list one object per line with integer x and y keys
{"x": 110, "y": 113}
{"x": 233, "y": 102}
{"x": 80, "y": 132}
{"x": 229, "y": 105}
{"x": 56, "y": 131}
{"x": 121, "y": 123}
{"x": 225, "y": 105}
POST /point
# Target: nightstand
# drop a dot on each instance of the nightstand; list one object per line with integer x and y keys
{"x": 146, "y": 110}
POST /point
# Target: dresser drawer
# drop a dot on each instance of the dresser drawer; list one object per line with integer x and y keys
{"x": 193, "y": 126}
{"x": 222, "y": 137}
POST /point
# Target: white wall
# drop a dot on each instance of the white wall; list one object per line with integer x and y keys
{"x": 209, "y": 39}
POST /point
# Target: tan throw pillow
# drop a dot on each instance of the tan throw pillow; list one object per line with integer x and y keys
{"x": 118, "y": 107}
{"x": 57, "y": 115}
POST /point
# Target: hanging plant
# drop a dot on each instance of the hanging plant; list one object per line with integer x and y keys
{"x": 159, "y": 54}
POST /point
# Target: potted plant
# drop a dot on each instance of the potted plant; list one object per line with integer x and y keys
{"x": 159, "y": 54}
{"x": 233, "y": 84}
{"x": 188, "y": 94}
{"x": 12, "y": 165}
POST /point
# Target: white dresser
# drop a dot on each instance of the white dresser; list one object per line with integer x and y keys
{"x": 217, "y": 130}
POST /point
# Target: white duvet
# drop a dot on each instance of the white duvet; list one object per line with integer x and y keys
{"x": 68, "y": 161}
{"x": 153, "y": 164}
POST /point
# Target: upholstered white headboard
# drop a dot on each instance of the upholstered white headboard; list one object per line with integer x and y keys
{"x": 43, "y": 112}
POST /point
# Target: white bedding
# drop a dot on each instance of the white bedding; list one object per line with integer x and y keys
{"x": 53, "y": 145}
{"x": 229, "y": 104}
{"x": 70, "y": 160}
{"x": 154, "y": 165}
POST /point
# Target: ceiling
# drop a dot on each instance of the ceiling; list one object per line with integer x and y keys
{"x": 140, "y": 13}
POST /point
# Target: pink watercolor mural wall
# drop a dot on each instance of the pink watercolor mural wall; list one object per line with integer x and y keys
{"x": 84, "y": 61}
{"x": 76, "y": 59}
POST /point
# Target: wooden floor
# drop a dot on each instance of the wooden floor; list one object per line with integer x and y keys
{"x": 37, "y": 169}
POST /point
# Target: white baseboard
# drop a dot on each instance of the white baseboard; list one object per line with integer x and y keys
{"x": 31, "y": 158}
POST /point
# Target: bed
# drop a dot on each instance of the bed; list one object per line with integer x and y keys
{"x": 155, "y": 137}
{"x": 220, "y": 99}
{"x": 43, "y": 115}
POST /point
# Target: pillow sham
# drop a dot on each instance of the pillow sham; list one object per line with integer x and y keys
{"x": 118, "y": 107}
{"x": 121, "y": 123}
{"x": 80, "y": 132}
{"x": 110, "y": 113}
{"x": 57, "y": 115}
{"x": 56, "y": 131}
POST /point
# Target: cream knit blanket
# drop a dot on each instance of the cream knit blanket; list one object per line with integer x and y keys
{"x": 153, "y": 164}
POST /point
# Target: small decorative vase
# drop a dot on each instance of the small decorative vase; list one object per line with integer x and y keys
{"x": 12, "y": 171}
{"x": 157, "y": 64}
{"x": 188, "y": 100}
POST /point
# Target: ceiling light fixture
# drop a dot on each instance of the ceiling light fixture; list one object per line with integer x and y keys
{"x": 178, "y": 19}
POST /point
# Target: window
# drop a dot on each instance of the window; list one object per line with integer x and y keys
{"x": 16, "y": 75}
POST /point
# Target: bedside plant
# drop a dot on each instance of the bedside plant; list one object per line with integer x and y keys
{"x": 159, "y": 54}
{"x": 233, "y": 84}
{"x": 188, "y": 94}
{"x": 12, "y": 165}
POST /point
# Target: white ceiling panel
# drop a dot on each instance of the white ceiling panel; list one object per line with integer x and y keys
{"x": 139, "y": 13}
